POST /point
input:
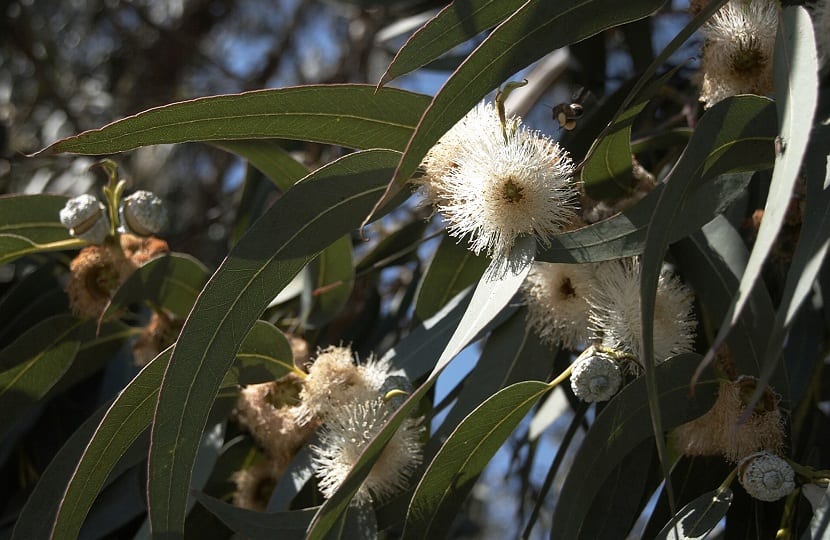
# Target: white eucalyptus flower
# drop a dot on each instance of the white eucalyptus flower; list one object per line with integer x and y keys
{"x": 492, "y": 190}
{"x": 615, "y": 311}
{"x": 766, "y": 477}
{"x": 557, "y": 303}
{"x": 346, "y": 434}
{"x": 738, "y": 51}
{"x": 596, "y": 378}
{"x": 143, "y": 213}
{"x": 86, "y": 218}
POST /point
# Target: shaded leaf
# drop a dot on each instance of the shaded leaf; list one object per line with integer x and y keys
{"x": 606, "y": 171}
{"x": 451, "y": 474}
{"x": 455, "y": 24}
{"x": 796, "y": 86}
{"x": 314, "y": 213}
{"x": 349, "y": 115}
{"x": 35, "y": 297}
{"x": 622, "y": 425}
{"x": 452, "y": 269}
{"x": 270, "y": 157}
{"x": 330, "y": 283}
{"x": 265, "y": 355}
{"x": 624, "y": 234}
{"x": 395, "y": 247}
{"x": 33, "y": 363}
{"x": 30, "y": 224}
{"x": 252, "y": 524}
{"x": 172, "y": 281}
{"x": 697, "y": 519}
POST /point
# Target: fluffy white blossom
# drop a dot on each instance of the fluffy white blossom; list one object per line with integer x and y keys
{"x": 334, "y": 379}
{"x": 766, "y": 477}
{"x": 615, "y": 310}
{"x": 556, "y": 300}
{"x": 493, "y": 185}
{"x": 346, "y": 434}
{"x": 596, "y": 378}
{"x": 738, "y": 51}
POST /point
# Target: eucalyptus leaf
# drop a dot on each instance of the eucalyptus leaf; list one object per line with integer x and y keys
{"x": 251, "y": 524}
{"x": 452, "y": 269}
{"x": 451, "y": 474}
{"x": 455, "y": 24}
{"x": 349, "y": 115}
{"x": 171, "y": 281}
{"x": 31, "y": 224}
{"x": 697, "y": 519}
{"x": 314, "y": 213}
{"x": 621, "y": 426}
{"x": 331, "y": 279}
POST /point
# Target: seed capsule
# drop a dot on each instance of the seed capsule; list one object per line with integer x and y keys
{"x": 86, "y": 218}
{"x": 143, "y": 213}
{"x": 596, "y": 378}
{"x": 766, "y": 477}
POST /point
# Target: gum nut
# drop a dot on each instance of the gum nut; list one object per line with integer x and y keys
{"x": 143, "y": 213}
{"x": 81, "y": 210}
{"x": 95, "y": 234}
{"x": 596, "y": 378}
{"x": 767, "y": 477}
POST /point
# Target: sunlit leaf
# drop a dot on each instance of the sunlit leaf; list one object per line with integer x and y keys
{"x": 697, "y": 519}
{"x": 348, "y": 115}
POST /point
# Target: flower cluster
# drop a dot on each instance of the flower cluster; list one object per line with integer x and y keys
{"x": 352, "y": 400}
{"x": 141, "y": 214}
{"x": 493, "y": 183}
{"x": 738, "y": 50}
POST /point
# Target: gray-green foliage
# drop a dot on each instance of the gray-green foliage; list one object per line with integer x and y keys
{"x": 709, "y": 185}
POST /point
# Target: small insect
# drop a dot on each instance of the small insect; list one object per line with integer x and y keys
{"x": 567, "y": 114}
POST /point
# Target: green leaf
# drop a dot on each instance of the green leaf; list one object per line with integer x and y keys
{"x": 796, "y": 86}
{"x": 270, "y": 158}
{"x": 606, "y": 171}
{"x": 30, "y": 224}
{"x": 713, "y": 261}
{"x": 820, "y": 523}
{"x": 33, "y": 363}
{"x": 537, "y": 28}
{"x": 455, "y": 24}
{"x": 624, "y": 234}
{"x": 490, "y": 297}
{"x": 314, "y": 213}
{"x": 452, "y": 473}
{"x": 132, "y": 412}
{"x": 265, "y": 355}
{"x": 348, "y": 115}
{"x": 697, "y": 519}
{"x": 252, "y": 524}
{"x": 172, "y": 281}
{"x": 621, "y": 426}
{"x": 330, "y": 285}
{"x": 394, "y": 248}
{"x": 453, "y": 268}
{"x": 512, "y": 353}
{"x": 33, "y": 298}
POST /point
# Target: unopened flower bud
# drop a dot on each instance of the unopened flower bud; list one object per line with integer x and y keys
{"x": 766, "y": 477}
{"x": 86, "y": 218}
{"x": 596, "y": 378}
{"x": 143, "y": 213}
